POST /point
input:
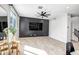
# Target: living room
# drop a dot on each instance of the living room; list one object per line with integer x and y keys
{"x": 37, "y": 29}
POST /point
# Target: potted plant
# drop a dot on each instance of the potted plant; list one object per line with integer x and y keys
{"x": 13, "y": 31}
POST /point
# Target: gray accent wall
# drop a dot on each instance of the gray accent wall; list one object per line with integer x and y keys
{"x": 24, "y": 27}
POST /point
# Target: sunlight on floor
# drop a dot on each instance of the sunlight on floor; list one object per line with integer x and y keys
{"x": 28, "y": 50}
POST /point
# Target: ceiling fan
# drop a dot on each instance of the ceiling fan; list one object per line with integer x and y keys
{"x": 43, "y": 13}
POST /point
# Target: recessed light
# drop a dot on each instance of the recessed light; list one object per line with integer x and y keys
{"x": 67, "y": 7}
{"x": 40, "y": 7}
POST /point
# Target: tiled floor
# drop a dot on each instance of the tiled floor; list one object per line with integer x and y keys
{"x": 47, "y": 44}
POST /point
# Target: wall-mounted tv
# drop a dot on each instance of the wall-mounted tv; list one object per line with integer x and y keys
{"x": 34, "y": 26}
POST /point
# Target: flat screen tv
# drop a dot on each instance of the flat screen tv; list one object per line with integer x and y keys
{"x": 34, "y": 26}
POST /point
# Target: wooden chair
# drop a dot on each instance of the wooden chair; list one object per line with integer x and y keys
{"x": 15, "y": 46}
{"x": 4, "y": 48}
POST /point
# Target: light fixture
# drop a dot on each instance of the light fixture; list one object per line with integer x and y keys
{"x": 40, "y": 7}
{"x": 43, "y": 13}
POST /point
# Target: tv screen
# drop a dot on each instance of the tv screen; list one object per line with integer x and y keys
{"x": 34, "y": 26}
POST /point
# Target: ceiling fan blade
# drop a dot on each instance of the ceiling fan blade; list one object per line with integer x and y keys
{"x": 45, "y": 16}
{"x": 44, "y": 13}
{"x": 48, "y": 14}
{"x": 38, "y": 13}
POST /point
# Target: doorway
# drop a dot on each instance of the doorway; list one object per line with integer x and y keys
{"x": 73, "y": 35}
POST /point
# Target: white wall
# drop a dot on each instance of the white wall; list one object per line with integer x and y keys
{"x": 58, "y": 28}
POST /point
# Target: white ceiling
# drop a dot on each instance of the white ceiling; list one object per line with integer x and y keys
{"x": 2, "y": 12}
{"x": 30, "y": 10}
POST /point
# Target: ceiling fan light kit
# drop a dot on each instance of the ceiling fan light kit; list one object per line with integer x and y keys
{"x": 43, "y": 13}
